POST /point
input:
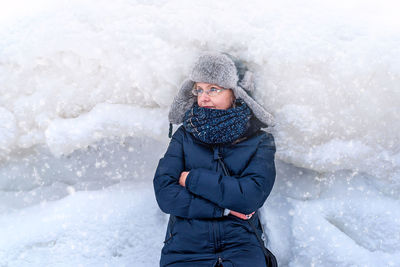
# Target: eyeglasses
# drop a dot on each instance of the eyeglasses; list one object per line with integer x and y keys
{"x": 214, "y": 91}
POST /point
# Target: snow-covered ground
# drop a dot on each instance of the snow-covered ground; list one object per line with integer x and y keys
{"x": 85, "y": 88}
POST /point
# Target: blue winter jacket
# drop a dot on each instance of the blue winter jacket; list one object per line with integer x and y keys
{"x": 198, "y": 234}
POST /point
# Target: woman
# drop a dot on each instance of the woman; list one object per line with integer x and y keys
{"x": 218, "y": 169}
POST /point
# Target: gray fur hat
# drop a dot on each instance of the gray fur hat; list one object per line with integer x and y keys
{"x": 224, "y": 70}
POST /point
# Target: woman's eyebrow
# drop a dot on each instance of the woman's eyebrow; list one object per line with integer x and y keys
{"x": 207, "y": 86}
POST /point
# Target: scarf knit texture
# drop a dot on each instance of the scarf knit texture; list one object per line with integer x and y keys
{"x": 217, "y": 126}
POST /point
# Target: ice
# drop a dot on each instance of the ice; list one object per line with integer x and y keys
{"x": 85, "y": 88}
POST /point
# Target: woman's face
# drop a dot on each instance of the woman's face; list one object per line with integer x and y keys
{"x": 223, "y": 100}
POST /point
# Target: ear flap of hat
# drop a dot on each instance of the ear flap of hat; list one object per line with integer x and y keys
{"x": 182, "y": 102}
{"x": 258, "y": 111}
{"x": 247, "y": 82}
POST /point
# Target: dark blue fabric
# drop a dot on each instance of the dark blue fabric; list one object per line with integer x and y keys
{"x": 201, "y": 234}
{"x": 216, "y": 126}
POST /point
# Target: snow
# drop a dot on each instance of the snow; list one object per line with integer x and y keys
{"x": 85, "y": 88}
{"x": 98, "y": 228}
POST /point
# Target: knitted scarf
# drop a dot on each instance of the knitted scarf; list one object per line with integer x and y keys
{"x": 216, "y": 126}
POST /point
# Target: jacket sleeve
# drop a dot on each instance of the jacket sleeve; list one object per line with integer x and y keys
{"x": 243, "y": 194}
{"x": 172, "y": 198}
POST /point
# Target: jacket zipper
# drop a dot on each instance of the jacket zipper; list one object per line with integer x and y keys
{"x": 217, "y": 233}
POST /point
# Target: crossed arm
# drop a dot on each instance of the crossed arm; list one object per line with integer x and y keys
{"x": 182, "y": 180}
{"x": 202, "y": 193}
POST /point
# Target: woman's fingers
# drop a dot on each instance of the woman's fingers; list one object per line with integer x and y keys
{"x": 238, "y": 214}
{"x": 241, "y": 215}
{"x": 248, "y": 216}
{"x": 182, "y": 178}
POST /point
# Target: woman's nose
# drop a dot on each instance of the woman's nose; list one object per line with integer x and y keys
{"x": 204, "y": 97}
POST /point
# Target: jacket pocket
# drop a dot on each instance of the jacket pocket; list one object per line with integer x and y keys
{"x": 169, "y": 237}
{"x": 170, "y": 234}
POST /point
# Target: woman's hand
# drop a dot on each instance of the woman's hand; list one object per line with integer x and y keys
{"x": 182, "y": 179}
{"x": 241, "y": 215}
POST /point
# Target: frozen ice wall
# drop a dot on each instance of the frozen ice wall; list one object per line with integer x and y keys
{"x": 85, "y": 89}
